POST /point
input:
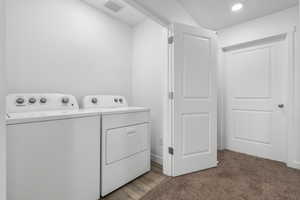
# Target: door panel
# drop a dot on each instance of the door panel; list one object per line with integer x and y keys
{"x": 255, "y": 81}
{"x": 252, "y": 65}
{"x": 252, "y": 126}
{"x": 196, "y": 80}
{"x": 195, "y": 99}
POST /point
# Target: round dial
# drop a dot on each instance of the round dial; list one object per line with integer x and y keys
{"x": 115, "y": 100}
{"x": 32, "y": 100}
{"x": 94, "y": 100}
{"x": 121, "y": 100}
{"x": 20, "y": 100}
{"x": 65, "y": 100}
{"x": 43, "y": 100}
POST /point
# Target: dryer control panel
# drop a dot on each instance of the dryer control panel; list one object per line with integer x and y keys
{"x": 104, "y": 101}
{"x": 31, "y": 102}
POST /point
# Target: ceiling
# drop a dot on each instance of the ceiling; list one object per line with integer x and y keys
{"x": 216, "y": 14}
{"x": 127, "y": 14}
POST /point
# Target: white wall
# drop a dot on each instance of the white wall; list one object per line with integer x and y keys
{"x": 66, "y": 46}
{"x": 263, "y": 27}
{"x": 148, "y": 77}
{"x": 2, "y": 107}
{"x": 258, "y": 28}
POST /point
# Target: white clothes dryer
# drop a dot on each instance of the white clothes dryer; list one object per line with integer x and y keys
{"x": 125, "y": 140}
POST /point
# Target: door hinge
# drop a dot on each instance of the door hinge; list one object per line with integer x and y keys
{"x": 171, "y": 40}
{"x": 171, "y": 150}
{"x": 171, "y": 95}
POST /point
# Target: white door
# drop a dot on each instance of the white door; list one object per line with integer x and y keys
{"x": 255, "y": 113}
{"x": 194, "y": 57}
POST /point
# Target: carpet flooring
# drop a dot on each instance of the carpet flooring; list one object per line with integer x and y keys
{"x": 238, "y": 177}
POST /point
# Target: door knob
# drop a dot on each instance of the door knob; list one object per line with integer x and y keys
{"x": 281, "y": 106}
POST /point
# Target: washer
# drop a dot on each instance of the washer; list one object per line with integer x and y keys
{"x": 125, "y": 140}
{"x": 53, "y": 148}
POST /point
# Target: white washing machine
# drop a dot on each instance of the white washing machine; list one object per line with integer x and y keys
{"x": 52, "y": 148}
{"x": 125, "y": 140}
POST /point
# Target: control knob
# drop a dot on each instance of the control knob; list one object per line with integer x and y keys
{"x": 65, "y": 100}
{"x": 32, "y": 100}
{"x": 94, "y": 100}
{"x": 20, "y": 100}
{"x": 43, "y": 100}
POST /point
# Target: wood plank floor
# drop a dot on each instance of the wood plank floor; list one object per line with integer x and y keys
{"x": 139, "y": 187}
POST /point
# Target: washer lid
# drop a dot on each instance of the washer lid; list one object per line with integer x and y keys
{"x": 108, "y": 111}
{"x": 40, "y": 116}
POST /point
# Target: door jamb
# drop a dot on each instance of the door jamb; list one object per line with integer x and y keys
{"x": 168, "y": 141}
{"x": 291, "y": 134}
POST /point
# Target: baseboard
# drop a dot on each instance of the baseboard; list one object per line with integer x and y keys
{"x": 295, "y": 165}
{"x": 157, "y": 159}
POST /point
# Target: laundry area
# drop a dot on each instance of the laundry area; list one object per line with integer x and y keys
{"x": 149, "y": 100}
{"x": 80, "y": 65}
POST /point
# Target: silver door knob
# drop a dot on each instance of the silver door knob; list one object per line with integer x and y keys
{"x": 281, "y": 106}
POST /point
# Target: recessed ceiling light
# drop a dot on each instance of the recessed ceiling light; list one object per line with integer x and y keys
{"x": 237, "y": 7}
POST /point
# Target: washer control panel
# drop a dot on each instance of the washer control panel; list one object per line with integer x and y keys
{"x": 16, "y": 103}
{"x": 104, "y": 101}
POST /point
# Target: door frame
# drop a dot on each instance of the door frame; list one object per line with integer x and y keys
{"x": 167, "y": 137}
{"x": 291, "y": 134}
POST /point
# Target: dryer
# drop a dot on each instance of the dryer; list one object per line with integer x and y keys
{"x": 53, "y": 148}
{"x": 125, "y": 140}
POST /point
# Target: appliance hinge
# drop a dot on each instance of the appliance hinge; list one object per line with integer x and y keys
{"x": 171, "y": 40}
{"x": 171, "y": 150}
{"x": 171, "y": 95}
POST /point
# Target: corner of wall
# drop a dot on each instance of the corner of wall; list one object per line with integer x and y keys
{"x": 297, "y": 119}
{"x": 2, "y": 104}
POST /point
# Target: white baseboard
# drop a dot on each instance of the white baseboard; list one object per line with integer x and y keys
{"x": 221, "y": 148}
{"x": 295, "y": 165}
{"x": 157, "y": 159}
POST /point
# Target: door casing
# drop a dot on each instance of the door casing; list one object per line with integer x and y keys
{"x": 291, "y": 134}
